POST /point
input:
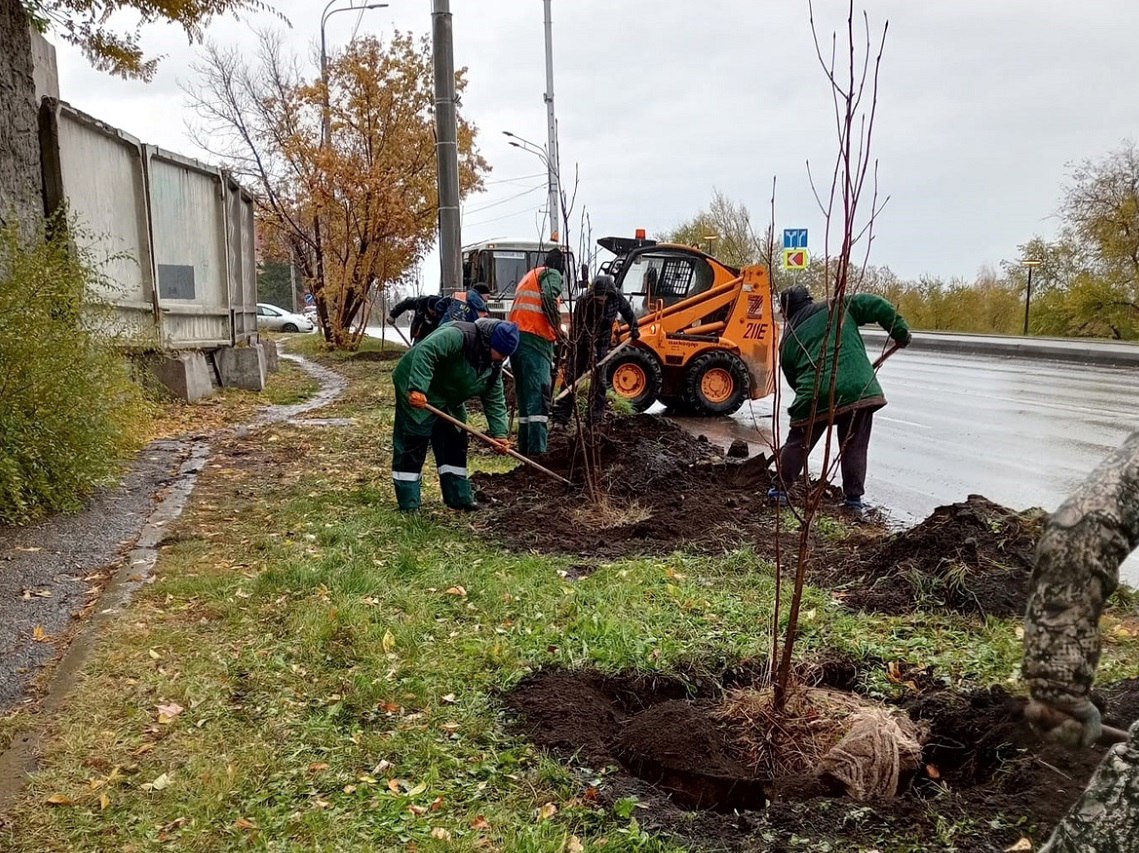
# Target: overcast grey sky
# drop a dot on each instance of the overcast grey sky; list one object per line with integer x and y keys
{"x": 982, "y": 104}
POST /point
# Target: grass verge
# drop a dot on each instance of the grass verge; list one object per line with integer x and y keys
{"x": 313, "y": 671}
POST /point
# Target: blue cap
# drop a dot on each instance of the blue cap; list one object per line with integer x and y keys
{"x": 504, "y": 338}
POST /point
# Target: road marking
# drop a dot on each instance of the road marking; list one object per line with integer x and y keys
{"x": 900, "y": 421}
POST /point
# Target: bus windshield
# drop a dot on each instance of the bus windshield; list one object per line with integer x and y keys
{"x": 509, "y": 268}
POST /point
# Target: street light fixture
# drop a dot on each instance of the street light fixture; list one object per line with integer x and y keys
{"x": 326, "y": 121}
{"x": 709, "y": 238}
{"x": 1031, "y": 263}
{"x": 543, "y": 154}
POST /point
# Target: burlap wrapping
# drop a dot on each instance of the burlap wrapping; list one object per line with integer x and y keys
{"x": 870, "y": 759}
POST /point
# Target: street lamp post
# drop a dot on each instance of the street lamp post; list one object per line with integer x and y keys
{"x": 326, "y": 121}
{"x": 552, "y": 170}
{"x": 1030, "y": 263}
{"x": 708, "y": 238}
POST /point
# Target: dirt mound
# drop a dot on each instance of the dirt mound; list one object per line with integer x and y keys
{"x": 665, "y": 490}
{"x": 970, "y": 557}
{"x": 983, "y": 767}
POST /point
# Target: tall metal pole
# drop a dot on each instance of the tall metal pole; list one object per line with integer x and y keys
{"x": 446, "y": 147}
{"x": 1028, "y": 298}
{"x": 552, "y": 160}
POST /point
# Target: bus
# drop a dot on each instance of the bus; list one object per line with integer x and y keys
{"x": 501, "y": 264}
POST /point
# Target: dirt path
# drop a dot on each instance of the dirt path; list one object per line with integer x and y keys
{"x": 56, "y": 574}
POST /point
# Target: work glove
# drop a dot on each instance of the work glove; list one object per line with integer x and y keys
{"x": 417, "y": 399}
{"x": 503, "y": 446}
{"x": 905, "y": 342}
{"x": 1070, "y": 721}
{"x": 635, "y": 334}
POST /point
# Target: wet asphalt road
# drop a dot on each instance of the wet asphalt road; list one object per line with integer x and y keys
{"x": 1020, "y": 432}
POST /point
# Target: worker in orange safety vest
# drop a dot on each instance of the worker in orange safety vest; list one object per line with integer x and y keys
{"x": 537, "y": 313}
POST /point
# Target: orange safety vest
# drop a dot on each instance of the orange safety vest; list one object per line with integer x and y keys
{"x": 527, "y": 309}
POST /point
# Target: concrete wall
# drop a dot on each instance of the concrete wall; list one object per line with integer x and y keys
{"x": 45, "y": 72}
{"x": 20, "y": 197}
{"x": 175, "y": 235}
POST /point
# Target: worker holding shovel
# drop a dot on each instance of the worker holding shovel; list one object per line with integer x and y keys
{"x": 591, "y": 338}
{"x": 454, "y": 363}
{"x": 1077, "y": 569}
{"x": 809, "y": 337}
{"x": 427, "y": 313}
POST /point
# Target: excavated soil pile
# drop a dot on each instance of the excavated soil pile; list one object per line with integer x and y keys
{"x": 982, "y": 766}
{"x": 665, "y": 488}
{"x": 969, "y": 557}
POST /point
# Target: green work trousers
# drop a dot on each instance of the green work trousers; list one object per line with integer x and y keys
{"x": 533, "y": 367}
{"x": 409, "y": 451}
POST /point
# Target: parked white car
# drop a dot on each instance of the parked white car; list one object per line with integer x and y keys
{"x": 273, "y": 319}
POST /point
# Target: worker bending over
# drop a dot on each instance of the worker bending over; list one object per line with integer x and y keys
{"x": 454, "y": 363}
{"x": 806, "y": 346}
{"x": 428, "y": 314}
{"x": 472, "y": 307}
{"x": 537, "y": 312}
{"x": 1077, "y": 569}
{"x": 590, "y": 340}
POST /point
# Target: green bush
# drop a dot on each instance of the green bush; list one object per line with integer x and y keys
{"x": 69, "y": 408}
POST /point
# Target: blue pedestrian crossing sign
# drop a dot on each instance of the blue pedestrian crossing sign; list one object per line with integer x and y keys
{"x": 794, "y": 238}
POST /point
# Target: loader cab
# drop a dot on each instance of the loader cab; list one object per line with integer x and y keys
{"x": 665, "y": 274}
{"x": 648, "y": 272}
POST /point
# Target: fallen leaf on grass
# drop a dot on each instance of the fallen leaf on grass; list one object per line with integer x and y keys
{"x": 441, "y": 833}
{"x": 154, "y": 655}
{"x": 39, "y": 634}
{"x": 933, "y": 772}
{"x": 388, "y": 641}
{"x": 437, "y": 804}
{"x": 480, "y": 822}
{"x": 418, "y": 811}
{"x": 574, "y": 845}
{"x": 104, "y": 801}
{"x": 449, "y": 699}
{"x": 160, "y": 784}
{"x": 547, "y": 811}
{"x": 460, "y": 591}
{"x": 244, "y": 823}
{"x": 168, "y": 713}
{"x": 59, "y": 800}
{"x": 1023, "y": 844}
{"x": 450, "y": 728}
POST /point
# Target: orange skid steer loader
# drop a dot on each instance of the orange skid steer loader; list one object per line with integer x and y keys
{"x": 708, "y": 334}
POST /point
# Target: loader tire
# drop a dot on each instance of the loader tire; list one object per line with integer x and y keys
{"x": 635, "y": 377}
{"x": 716, "y": 383}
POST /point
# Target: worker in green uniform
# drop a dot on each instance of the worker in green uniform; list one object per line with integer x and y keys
{"x": 807, "y": 355}
{"x": 537, "y": 311}
{"x": 454, "y": 363}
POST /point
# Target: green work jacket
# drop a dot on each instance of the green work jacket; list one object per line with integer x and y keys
{"x": 439, "y": 368}
{"x": 805, "y": 345}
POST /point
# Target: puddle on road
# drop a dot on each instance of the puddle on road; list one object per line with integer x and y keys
{"x": 19, "y": 759}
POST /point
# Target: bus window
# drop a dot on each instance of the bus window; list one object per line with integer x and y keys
{"x": 509, "y": 268}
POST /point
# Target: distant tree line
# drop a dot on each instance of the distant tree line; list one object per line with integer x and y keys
{"x": 1086, "y": 284}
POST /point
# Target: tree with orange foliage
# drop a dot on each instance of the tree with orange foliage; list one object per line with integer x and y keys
{"x": 355, "y": 214}
{"x": 86, "y": 24}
